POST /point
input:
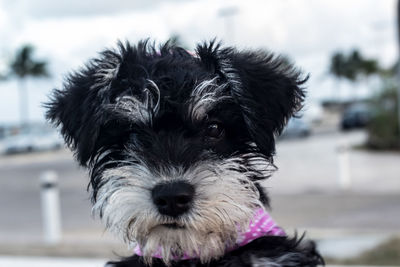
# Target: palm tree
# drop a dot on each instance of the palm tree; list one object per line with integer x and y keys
{"x": 337, "y": 68}
{"x": 23, "y": 66}
{"x": 353, "y": 66}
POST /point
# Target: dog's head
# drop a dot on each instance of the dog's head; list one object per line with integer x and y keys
{"x": 176, "y": 143}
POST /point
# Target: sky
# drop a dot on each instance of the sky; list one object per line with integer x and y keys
{"x": 68, "y": 33}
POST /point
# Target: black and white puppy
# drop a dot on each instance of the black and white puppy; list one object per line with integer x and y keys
{"x": 177, "y": 144}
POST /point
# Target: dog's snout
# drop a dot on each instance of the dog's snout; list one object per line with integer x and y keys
{"x": 173, "y": 199}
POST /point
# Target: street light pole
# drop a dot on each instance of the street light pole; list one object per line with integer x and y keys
{"x": 398, "y": 65}
{"x": 228, "y": 13}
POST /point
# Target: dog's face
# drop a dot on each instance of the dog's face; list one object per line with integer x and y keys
{"x": 176, "y": 143}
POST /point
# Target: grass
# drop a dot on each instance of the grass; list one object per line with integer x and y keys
{"x": 387, "y": 253}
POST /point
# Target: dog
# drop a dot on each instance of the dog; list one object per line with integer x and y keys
{"x": 177, "y": 144}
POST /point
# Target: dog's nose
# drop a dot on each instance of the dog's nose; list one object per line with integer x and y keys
{"x": 173, "y": 199}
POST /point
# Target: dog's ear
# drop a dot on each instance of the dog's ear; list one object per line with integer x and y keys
{"x": 267, "y": 88}
{"x": 75, "y": 107}
{"x": 269, "y": 91}
{"x": 78, "y": 108}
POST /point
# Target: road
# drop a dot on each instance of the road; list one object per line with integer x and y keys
{"x": 49, "y": 262}
{"x": 311, "y": 165}
{"x": 305, "y": 191}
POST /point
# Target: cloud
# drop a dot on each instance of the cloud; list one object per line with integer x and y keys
{"x": 67, "y": 33}
{"x": 40, "y": 9}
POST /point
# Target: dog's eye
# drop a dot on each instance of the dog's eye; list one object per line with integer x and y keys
{"x": 214, "y": 130}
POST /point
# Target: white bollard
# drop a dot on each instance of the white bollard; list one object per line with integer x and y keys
{"x": 344, "y": 178}
{"x": 50, "y": 207}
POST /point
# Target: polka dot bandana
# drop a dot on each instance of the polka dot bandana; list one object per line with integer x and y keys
{"x": 261, "y": 225}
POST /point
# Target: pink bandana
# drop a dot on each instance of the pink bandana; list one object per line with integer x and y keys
{"x": 261, "y": 225}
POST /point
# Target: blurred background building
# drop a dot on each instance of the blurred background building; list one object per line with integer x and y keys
{"x": 339, "y": 163}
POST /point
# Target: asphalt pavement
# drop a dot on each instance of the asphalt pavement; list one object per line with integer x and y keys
{"x": 48, "y": 262}
{"x": 306, "y": 194}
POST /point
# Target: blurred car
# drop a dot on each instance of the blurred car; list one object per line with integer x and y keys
{"x": 28, "y": 141}
{"x": 17, "y": 143}
{"x": 355, "y": 116}
{"x": 296, "y": 127}
{"x": 47, "y": 141}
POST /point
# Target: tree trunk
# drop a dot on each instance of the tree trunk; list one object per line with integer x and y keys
{"x": 23, "y": 102}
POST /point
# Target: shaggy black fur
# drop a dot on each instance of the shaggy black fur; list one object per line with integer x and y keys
{"x": 258, "y": 93}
